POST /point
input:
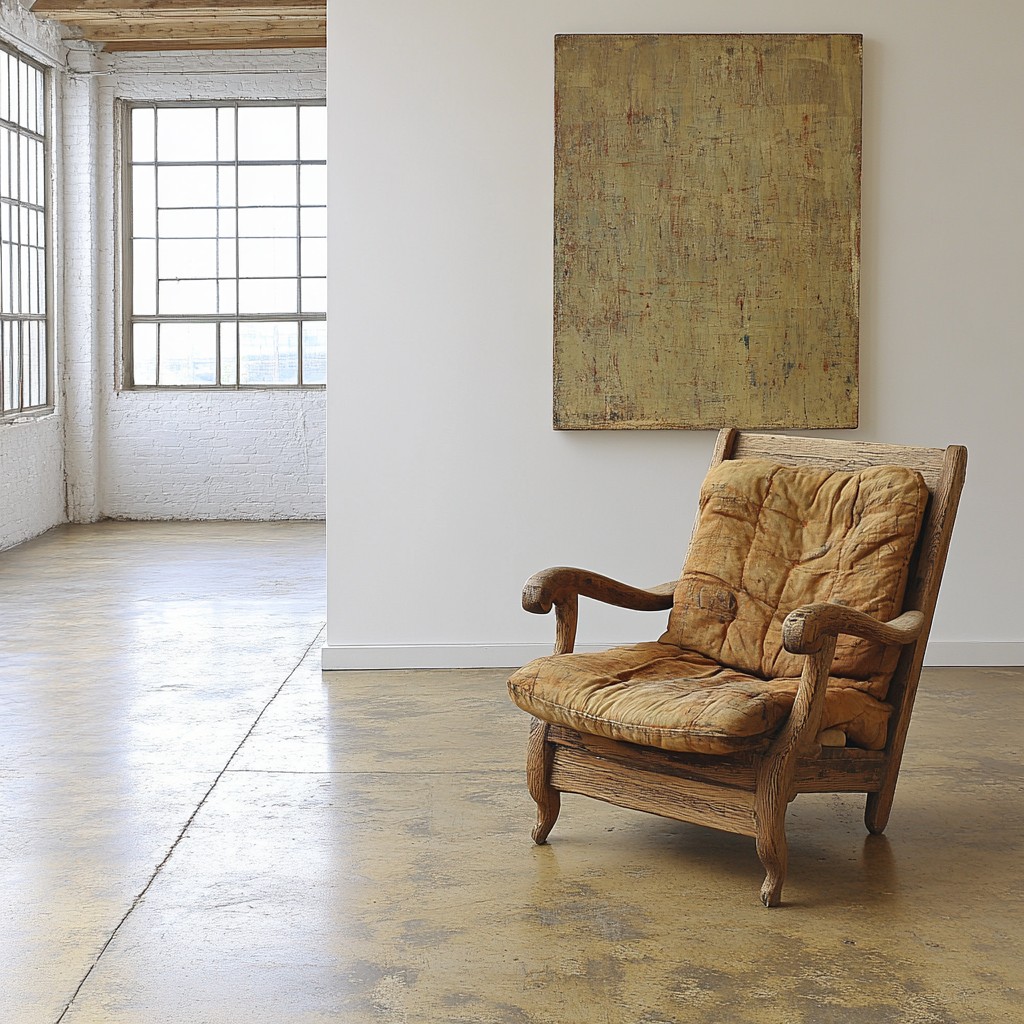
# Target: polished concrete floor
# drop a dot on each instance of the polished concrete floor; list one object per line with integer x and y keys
{"x": 199, "y": 826}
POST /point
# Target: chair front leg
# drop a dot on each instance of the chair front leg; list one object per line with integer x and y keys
{"x": 539, "y": 755}
{"x": 778, "y": 767}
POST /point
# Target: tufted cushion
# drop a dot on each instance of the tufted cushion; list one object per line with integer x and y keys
{"x": 769, "y": 539}
{"x": 659, "y": 695}
{"x": 772, "y": 538}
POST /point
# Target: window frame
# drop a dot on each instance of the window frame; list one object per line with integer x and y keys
{"x": 129, "y": 318}
{"x": 23, "y": 410}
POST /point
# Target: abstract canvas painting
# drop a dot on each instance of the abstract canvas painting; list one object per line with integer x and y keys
{"x": 707, "y": 231}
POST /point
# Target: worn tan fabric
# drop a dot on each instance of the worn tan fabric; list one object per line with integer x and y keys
{"x": 659, "y": 695}
{"x": 769, "y": 539}
{"x": 772, "y": 538}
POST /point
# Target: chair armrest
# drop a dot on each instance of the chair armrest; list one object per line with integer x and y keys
{"x": 805, "y": 628}
{"x": 555, "y": 586}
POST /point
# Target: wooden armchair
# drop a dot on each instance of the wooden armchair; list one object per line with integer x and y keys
{"x": 741, "y": 705}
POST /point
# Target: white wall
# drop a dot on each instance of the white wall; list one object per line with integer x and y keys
{"x": 447, "y": 485}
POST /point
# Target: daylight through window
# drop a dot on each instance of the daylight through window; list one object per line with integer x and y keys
{"x": 226, "y": 264}
{"x": 24, "y": 337}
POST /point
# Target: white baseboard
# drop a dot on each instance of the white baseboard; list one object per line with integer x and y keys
{"x": 341, "y": 657}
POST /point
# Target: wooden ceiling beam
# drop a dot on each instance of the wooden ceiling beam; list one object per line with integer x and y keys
{"x": 72, "y": 9}
{"x": 188, "y": 24}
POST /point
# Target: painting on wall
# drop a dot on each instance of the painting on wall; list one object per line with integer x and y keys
{"x": 707, "y": 231}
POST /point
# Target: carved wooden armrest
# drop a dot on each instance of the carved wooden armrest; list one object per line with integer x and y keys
{"x": 552, "y": 586}
{"x": 562, "y": 587}
{"x": 805, "y": 629}
{"x": 812, "y": 630}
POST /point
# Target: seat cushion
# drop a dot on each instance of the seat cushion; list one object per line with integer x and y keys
{"x": 771, "y": 538}
{"x": 659, "y": 695}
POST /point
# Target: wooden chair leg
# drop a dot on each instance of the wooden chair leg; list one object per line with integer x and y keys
{"x": 539, "y": 755}
{"x": 876, "y": 810}
{"x": 770, "y": 803}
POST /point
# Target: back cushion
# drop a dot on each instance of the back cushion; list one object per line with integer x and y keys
{"x": 772, "y": 538}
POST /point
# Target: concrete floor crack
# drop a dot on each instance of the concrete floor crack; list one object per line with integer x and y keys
{"x": 192, "y": 817}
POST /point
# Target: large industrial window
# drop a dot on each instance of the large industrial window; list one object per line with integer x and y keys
{"x": 25, "y": 376}
{"x": 225, "y": 245}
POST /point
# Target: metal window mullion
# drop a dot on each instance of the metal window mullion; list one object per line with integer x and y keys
{"x": 238, "y": 262}
{"x": 298, "y": 241}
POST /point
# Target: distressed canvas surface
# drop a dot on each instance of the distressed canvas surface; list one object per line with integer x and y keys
{"x": 707, "y": 231}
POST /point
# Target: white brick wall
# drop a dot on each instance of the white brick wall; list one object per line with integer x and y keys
{"x": 145, "y": 455}
{"x": 31, "y": 479}
{"x": 196, "y": 455}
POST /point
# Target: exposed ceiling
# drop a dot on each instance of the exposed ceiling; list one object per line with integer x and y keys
{"x": 190, "y": 24}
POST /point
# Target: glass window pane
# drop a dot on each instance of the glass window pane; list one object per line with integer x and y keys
{"x": 32, "y": 305}
{"x": 5, "y": 92}
{"x": 23, "y": 91}
{"x": 29, "y": 178}
{"x": 36, "y": 396}
{"x": 143, "y": 277}
{"x": 188, "y": 354}
{"x": 226, "y": 133}
{"x": 314, "y": 257}
{"x": 143, "y": 202}
{"x": 12, "y": 366}
{"x": 314, "y": 353}
{"x": 41, "y": 176}
{"x": 187, "y": 223}
{"x": 261, "y": 295}
{"x": 314, "y": 295}
{"x": 226, "y": 258}
{"x": 226, "y": 186}
{"x": 26, "y": 362}
{"x": 268, "y": 353}
{"x": 6, "y": 250}
{"x": 185, "y": 297}
{"x": 266, "y": 133}
{"x": 142, "y": 129}
{"x": 227, "y": 223}
{"x": 144, "y": 354}
{"x": 40, "y": 103}
{"x": 227, "y": 295}
{"x": 184, "y": 258}
{"x": 229, "y": 353}
{"x": 267, "y": 223}
{"x": 266, "y": 186}
{"x": 314, "y": 221}
{"x": 313, "y": 133}
{"x": 264, "y": 257}
{"x": 41, "y": 278}
{"x": 24, "y": 276}
{"x": 5, "y": 158}
{"x": 21, "y": 185}
{"x": 186, "y": 134}
{"x": 187, "y": 187}
{"x": 314, "y": 185}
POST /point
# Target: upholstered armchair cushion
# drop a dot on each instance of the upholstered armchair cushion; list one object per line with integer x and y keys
{"x": 659, "y": 695}
{"x": 772, "y": 538}
{"x": 769, "y": 539}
